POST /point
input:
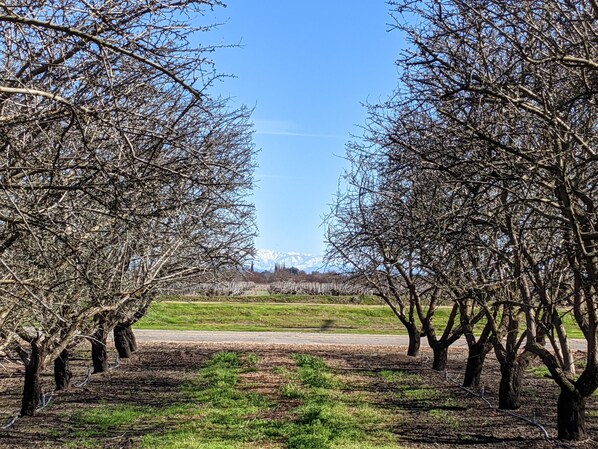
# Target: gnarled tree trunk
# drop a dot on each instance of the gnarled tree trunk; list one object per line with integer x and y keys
{"x": 440, "y": 352}
{"x": 32, "y": 388}
{"x": 124, "y": 340}
{"x": 62, "y": 370}
{"x": 131, "y": 339}
{"x": 414, "y": 340}
{"x": 99, "y": 355}
{"x": 509, "y": 393}
{"x": 475, "y": 364}
{"x": 571, "y": 421}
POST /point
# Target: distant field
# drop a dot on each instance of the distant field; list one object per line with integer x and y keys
{"x": 235, "y": 316}
{"x": 300, "y": 313}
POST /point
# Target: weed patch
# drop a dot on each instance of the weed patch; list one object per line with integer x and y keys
{"x": 328, "y": 418}
{"x": 445, "y": 418}
{"x": 539, "y": 371}
{"x": 214, "y": 413}
{"x": 229, "y": 415}
{"x": 218, "y": 410}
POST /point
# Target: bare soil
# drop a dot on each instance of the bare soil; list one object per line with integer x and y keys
{"x": 155, "y": 374}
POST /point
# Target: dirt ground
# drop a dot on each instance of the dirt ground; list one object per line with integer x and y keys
{"x": 154, "y": 376}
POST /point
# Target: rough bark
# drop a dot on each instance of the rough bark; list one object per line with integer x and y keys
{"x": 131, "y": 339}
{"x": 124, "y": 340}
{"x": 99, "y": 355}
{"x": 414, "y": 340}
{"x": 62, "y": 370}
{"x": 509, "y": 393}
{"x": 475, "y": 364}
{"x": 32, "y": 388}
{"x": 571, "y": 421}
{"x": 440, "y": 361}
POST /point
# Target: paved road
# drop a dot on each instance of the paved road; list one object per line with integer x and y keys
{"x": 288, "y": 338}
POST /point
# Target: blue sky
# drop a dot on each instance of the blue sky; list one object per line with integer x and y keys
{"x": 306, "y": 67}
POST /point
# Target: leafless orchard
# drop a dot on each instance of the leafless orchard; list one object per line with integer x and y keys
{"x": 119, "y": 172}
{"x": 475, "y": 187}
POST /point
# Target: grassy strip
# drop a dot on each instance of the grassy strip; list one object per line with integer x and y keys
{"x": 336, "y": 318}
{"x": 218, "y": 413}
{"x": 228, "y": 418}
{"x": 214, "y": 414}
{"x": 329, "y": 417}
{"x": 411, "y": 390}
{"x": 272, "y": 317}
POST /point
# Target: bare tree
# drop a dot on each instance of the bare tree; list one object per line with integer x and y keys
{"x": 386, "y": 227}
{"x": 119, "y": 171}
{"x": 531, "y": 67}
{"x": 359, "y": 238}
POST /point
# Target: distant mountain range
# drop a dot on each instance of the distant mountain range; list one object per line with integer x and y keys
{"x": 266, "y": 259}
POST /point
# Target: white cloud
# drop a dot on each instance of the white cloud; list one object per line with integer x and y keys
{"x": 285, "y": 128}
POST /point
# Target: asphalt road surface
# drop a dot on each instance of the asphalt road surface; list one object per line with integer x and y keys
{"x": 289, "y": 338}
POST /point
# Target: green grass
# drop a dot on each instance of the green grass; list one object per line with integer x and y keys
{"x": 573, "y": 330}
{"x": 216, "y": 409}
{"x": 412, "y": 387}
{"x": 400, "y": 377}
{"x": 329, "y": 417}
{"x": 273, "y": 317}
{"x": 214, "y": 413}
{"x": 102, "y": 420}
{"x": 292, "y": 390}
{"x": 445, "y": 418}
{"x": 539, "y": 371}
{"x": 257, "y": 315}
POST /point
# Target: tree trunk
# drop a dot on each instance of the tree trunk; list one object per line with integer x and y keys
{"x": 131, "y": 338}
{"x": 414, "y": 340}
{"x": 62, "y": 370}
{"x": 475, "y": 363}
{"x": 571, "y": 411}
{"x": 509, "y": 393}
{"x": 32, "y": 388}
{"x": 440, "y": 357}
{"x": 99, "y": 355}
{"x": 124, "y": 340}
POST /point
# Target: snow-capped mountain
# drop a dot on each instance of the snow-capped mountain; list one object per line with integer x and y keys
{"x": 265, "y": 259}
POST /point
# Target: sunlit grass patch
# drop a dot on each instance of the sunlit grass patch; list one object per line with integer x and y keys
{"x": 400, "y": 376}
{"x": 251, "y": 361}
{"x": 412, "y": 387}
{"x": 445, "y": 418}
{"x": 105, "y": 420}
{"x": 322, "y": 408}
{"x": 329, "y": 417}
{"x": 539, "y": 371}
{"x": 230, "y": 415}
{"x": 226, "y": 316}
{"x": 424, "y": 394}
{"x": 292, "y": 390}
{"x": 107, "y": 417}
{"x": 303, "y": 313}
{"x": 313, "y": 371}
{"x": 213, "y": 413}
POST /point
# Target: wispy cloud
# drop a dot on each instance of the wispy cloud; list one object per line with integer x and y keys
{"x": 261, "y": 176}
{"x": 285, "y": 128}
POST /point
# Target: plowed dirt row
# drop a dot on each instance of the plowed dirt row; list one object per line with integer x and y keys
{"x": 155, "y": 375}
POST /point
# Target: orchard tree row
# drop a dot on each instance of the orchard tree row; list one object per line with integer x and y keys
{"x": 119, "y": 172}
{"x": 475, "y": 188}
